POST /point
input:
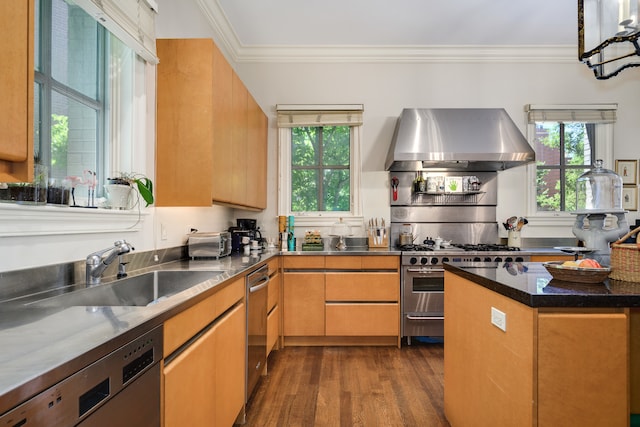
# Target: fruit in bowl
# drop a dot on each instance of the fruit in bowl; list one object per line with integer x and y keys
{"x": 583, "y": 263}
{"x": 582, "y": 271}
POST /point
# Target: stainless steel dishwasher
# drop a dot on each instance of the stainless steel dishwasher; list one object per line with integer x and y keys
{"x": 121, "y": 389}
{"x": 257, "y": 282}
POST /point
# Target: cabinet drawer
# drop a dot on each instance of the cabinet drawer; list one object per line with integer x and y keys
{"x": 273, "y": 292}
{"x": 273, "y": 329}
{"x": 303, "y": 262}
{"x": 362, "y": 287}
{"x": 344, "y": 262}
{"x": 362, "y": 320}
{"x": 183, "y": 326}
{"x": 272, "y": 264}
{"x": 380, "y": 262}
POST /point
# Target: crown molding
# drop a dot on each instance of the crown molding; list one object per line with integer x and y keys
{"x": 235, "y": 51}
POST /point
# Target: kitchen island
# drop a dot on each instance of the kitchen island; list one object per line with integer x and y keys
{"x": 523, "y": 349}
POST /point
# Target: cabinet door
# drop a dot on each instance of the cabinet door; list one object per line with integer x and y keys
{"x": 230, "y": 372}
{"x": 222, "y": 118}
{"x": 189, "y": 385}
{"x": 184, "y": 146}
{"x": 16, "y": 87}
{"x": 583, "y": 376}
{"x": 239, "y": 149}
{"x": 257, "y": 155}
{"x": 303, "y": 304}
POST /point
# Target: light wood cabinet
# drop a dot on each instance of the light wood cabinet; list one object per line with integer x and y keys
{"x": 273, "y": 306}
{"x": 354, "y": 300}
{"x": 204, "y": 381}
{"x": 211, "y": 144}
{"x": 545, "y": 258}
{"x": 549, "y": 367}
{"x": 303, "y": 304}
{"x": 16, "y": 87}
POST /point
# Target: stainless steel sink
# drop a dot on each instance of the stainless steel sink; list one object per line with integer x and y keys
{"x": 145, "y": 289}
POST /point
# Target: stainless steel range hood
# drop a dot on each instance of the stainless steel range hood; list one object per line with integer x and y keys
{"x": 465, "y": 139}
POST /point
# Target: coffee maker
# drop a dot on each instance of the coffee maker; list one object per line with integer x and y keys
{"x": 244, "y": 228}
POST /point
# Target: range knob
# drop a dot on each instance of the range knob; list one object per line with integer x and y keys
{"x": 487, "y": 259}
{"x": 519, "y": 259}
{"x": 498, "y": 259}
{"x": 508, "y": 259}
{"x": 434, "y": 261}
{"x": 476, "y": 259}
{"x": 445, "y": 259}
{"x": 413, "y": 260}
{"x": 424, "y": 260}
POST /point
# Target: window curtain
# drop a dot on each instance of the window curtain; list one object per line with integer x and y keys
{"x": 132, "y": 21}
{"x": 605, "y": 113}
{"x": 319, "y": 115}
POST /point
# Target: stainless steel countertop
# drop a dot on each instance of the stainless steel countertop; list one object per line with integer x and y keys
{"x": 42, "y": 346}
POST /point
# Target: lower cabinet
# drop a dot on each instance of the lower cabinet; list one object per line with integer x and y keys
{"x": 273, "y": 306}
{"x": 341, "y": 300}
{"x": 549, "y": 367}
{"x": 204, "y": 371}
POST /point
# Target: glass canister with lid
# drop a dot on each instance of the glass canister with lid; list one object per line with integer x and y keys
{"x": 599, "y": 189}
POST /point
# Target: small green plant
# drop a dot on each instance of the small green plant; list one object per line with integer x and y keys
{"x": 143, "y": 184}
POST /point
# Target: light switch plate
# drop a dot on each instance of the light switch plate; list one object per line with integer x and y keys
{"x": 498, "y": 319}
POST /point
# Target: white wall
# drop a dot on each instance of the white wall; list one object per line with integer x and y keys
{"x": 385, "y": 89}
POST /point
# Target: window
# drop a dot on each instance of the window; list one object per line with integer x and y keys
{"x": 319, "y": 160}
{"x": 567, "y": 141}
{"x": 73, "y": 57}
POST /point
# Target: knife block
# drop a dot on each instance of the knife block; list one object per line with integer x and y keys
{"x": 378, "y": 241}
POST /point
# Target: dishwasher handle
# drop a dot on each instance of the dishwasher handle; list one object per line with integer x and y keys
{"x": 259, "y": 285}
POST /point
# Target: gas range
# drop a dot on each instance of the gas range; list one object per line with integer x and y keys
{"x": 430, "y": 256}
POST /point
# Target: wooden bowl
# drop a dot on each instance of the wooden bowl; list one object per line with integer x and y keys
{"x": 576, "y": 274}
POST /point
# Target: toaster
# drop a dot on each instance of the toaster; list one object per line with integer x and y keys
{"x": 209, "y": 245}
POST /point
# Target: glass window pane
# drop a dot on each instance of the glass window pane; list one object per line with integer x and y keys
{"x": 337, "y": 190}
{"x": 74, "y": 131}
{"x": 576, "y": 147}
{"x": 74, "y": 48}
{"x": 548, "y": 189}
{"x": 37, "y": 114}
{"x": 37, "y": 48}
{"x": 304, "y": 190}
{"x": 547, "y": 143}
{"x": 304, "y": 146}
{"x": 336, "y": 145}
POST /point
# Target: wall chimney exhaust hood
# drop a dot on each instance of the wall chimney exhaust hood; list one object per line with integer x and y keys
{"x": 457, "y": 139}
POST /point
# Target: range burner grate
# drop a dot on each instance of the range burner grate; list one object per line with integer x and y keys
{"x": 486, "y": 247}
{"x": 415, "y": 248}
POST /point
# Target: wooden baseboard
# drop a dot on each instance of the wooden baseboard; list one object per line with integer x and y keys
{"x": 341, "y": 341}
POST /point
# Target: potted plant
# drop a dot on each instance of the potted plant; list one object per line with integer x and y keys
{"x": 140, "y": 182}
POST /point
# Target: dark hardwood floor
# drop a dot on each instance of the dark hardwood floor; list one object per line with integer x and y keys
{"x": 351, "y": 386}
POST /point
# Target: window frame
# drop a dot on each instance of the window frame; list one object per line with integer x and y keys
{"x": 603, "y": 149}
{"x": 353, "y": 217}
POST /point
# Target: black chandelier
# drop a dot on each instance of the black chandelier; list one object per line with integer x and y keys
{"x": 608, "y": 32}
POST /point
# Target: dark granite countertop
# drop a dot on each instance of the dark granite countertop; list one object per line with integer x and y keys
{"x": 529, "y": 283}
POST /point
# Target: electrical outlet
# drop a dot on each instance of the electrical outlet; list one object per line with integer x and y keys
{"x": 499, "y": 319}
{"x": 163, "y": 232}
{"x": 190, "y": 229}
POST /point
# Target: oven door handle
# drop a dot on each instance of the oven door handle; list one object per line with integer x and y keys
{"x": 425, "y": 317}
{"x": 425, "y": 270}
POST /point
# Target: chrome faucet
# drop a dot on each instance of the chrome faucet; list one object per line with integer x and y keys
{"x": 98, "y": 261}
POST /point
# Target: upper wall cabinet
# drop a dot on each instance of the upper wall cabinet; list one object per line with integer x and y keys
{"x": 211, "y": 134}
{"x": 16, "y": 87}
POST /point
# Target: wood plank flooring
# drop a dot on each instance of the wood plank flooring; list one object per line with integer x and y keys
{"x": 351, "y": 386}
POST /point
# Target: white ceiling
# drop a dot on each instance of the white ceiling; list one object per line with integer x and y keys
{"x": 386, "y": 23}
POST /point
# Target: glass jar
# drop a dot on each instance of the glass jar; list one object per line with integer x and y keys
{"x": 599, "y": 189}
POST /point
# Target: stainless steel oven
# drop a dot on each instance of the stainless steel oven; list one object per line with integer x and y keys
{"x": 422, "y": 298}
{"x": 257, "y": 282}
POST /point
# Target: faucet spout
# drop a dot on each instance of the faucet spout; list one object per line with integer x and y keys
{"x": 97, "y": 262}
